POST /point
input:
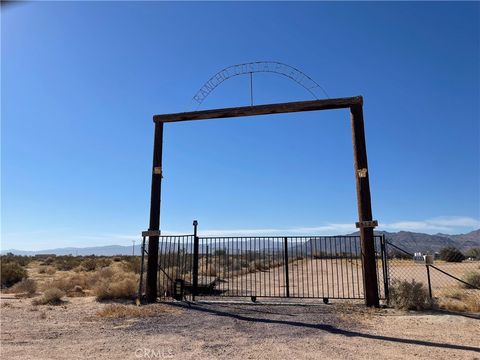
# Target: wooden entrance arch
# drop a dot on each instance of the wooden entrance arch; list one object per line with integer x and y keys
{"x": 365, "y": 223}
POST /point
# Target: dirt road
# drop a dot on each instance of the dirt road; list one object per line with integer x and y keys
{"x": 233, "y": 331}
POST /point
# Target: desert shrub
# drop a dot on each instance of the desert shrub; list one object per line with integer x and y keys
{"x": 103, "y": 262}
{"x": 65, "y": 263}
{"x": 49, "y": 270}
{"x": 411, "y": 295}
{"x": 274, "y": 263}
{"x": 92, "y": 263}
{"x": 132, "y": 264}
{"x": 319, "y": 254}
{"x": 48, "y": 261}
{"x": 236, "y": 266}
{"x": 132, "y": 311}
{"x": 244, "y": 263}
{"x": 97, "y": 276}
{"x": 211, "y": 271}
{"x": 20, "y": 260}
{"x": 473, "y": 278}
{"x": 86, "y": 280}
{"x": 126, "y": 311}
{"x": 27, "y": 286}
{"x": 451, "y": 254}
{"x": 473, "y": 253}
{"x": 52, "y": 296}
{"x": 11, "y": 273}
{"x": 220, "y": 252}
{"x": 67, "y": 283}
{"x": 89, "y": 264}
{"x": 122, "y": 285}
{"x": 77, "y": 291}
{"x": 460, "y": 300}
{"x": 257, "y": 266}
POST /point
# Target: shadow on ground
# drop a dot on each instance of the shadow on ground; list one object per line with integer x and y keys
{"x": 232, "y": 313}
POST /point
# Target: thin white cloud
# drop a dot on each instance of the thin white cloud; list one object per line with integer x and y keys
{"x": 327, "y": 229}
{"x": 445, "y": 224}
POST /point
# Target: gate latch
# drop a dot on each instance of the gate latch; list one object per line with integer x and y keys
{"x": 178, "y": 289}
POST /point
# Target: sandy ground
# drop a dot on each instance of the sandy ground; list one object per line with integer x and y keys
{"x": 233, "y": 331}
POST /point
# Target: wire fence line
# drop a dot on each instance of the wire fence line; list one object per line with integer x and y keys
{"x": 452, "y": 279}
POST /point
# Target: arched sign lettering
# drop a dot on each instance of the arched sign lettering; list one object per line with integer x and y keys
{"x": 256, "y": 67}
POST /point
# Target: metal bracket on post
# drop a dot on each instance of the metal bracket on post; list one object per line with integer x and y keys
{"x": 366, "y": 224}
{"x": 151, "y": 233}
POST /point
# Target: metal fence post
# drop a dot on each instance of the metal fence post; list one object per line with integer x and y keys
{"x": 140, "y": 285}
{"x": 386, "y": 280}
{"x": 287, "y": 282}
{"x": 429, "y": 282}
{"x": 195, "y": 260}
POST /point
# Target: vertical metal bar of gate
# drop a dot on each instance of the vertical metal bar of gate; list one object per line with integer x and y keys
{"x": 287, "y": 282}
{"x": 195, "y": 261}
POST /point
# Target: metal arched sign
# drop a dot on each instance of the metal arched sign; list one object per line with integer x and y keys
{"x": 257, "y": 67}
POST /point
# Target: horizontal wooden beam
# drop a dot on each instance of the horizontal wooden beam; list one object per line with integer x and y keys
{"x": 327, "y": 104}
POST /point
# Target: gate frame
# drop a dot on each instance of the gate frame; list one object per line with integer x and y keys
{"x": 365, "y": 223}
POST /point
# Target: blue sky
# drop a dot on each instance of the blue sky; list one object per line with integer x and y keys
{"x": 81, "y": 81}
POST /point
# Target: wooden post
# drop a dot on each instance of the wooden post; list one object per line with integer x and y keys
{"x": 364, "y": 207}
{"x": 155, "y": 199}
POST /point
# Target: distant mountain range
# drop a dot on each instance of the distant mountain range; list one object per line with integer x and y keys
{"x": 109, "y": 250}
{"x": 409, "y": 241}
{"x": 413, "y": 242}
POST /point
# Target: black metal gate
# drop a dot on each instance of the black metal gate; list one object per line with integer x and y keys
{"x": 325, "y": 267}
